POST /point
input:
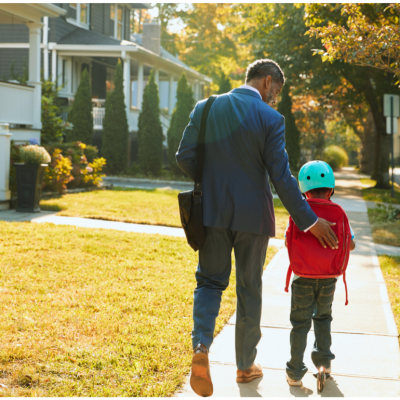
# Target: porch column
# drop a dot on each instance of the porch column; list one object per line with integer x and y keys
{"x": 171, "y": 95}
{"x": 45, "y": 50}
{"x": 34, "y": 72}
{"x": 140, "y": 86}
{"x": 127, "y": 82}
{"x": 157, "y": 77}
{"x": 54, "y": 65}
{"x": 5, "y": 194}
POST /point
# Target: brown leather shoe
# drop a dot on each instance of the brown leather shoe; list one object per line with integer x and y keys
{"x": 250, "y": 374}
{"x": 200, "y": 379}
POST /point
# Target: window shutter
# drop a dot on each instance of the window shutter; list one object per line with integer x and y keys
{"x": 91, "y": 16}
{"x": 127, "y": 30}
{"x": 106, "y": 9}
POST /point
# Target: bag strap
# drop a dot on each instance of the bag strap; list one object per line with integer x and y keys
{"x": 345, "y": 287}
{"x": 201, "y": 144}
{"x": 289, "y": 273}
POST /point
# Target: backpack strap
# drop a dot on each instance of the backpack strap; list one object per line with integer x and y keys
{"x": 345, "y": 287}
{"x": 289, "y": 273}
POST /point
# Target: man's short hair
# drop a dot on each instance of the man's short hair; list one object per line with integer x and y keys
{"x": 262, "y": 68}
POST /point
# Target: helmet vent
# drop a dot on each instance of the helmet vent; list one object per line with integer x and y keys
{"x": 308, "y": 178}
{"x": 322, "y": 175}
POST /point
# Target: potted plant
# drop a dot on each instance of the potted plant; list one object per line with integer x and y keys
{"x": 30, "y": 177}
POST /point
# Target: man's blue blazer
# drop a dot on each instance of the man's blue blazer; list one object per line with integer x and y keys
{"x": 245, "y": 146}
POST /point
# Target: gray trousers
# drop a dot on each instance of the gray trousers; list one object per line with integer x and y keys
{"x": 212, "y": 278}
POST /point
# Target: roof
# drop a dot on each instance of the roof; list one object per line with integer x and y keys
{"x": 83, "y": 36}
{"x": 140, "y": 5}
{"x": 138, "y": 39}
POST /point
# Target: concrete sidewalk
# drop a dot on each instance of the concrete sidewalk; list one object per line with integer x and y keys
{"x": 365, "y": 337}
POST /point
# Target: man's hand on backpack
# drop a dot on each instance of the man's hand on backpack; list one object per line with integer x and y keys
{"x": 323, "y": 232}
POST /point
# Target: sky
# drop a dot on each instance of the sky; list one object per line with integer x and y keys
{"x": 174, "y": 26}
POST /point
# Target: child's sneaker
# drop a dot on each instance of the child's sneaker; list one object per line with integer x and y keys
{"x": 292, "y": 382}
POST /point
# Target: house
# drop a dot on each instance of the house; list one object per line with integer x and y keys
{"x": 20, "y": 104}
{"x": 94, "y": 36}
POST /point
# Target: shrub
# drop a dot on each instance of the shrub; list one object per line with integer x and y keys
{"x": 179, "y": 120}
{"x": 224, "y": 84}
{"x": 115, "y": 127}
{"x": 53, "y": 127}
{"x": 84, "y": 173}
{"x": 58, "y": 173}
{"x": 150, "y": 135}
{"x": 34, "y": 154}
{"x": 292, "y": 134}
{"x": 81, "y": 113}
{"x": 335, "y": 156}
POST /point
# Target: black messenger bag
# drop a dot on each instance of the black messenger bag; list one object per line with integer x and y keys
{"x": 190, "y": 202}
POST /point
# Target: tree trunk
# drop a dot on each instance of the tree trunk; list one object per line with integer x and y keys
{"x": 368, "y": 144}
{"x": 380, "y": 170}
{"x": 382, "y": 144}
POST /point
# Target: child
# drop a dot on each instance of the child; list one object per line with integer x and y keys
{"x": 312, "y": 298}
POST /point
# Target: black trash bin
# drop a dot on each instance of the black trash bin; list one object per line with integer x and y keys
{"x": 29, "y": 186}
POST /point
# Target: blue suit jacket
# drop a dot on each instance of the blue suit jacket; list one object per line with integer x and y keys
{"x": 245, "y": 146}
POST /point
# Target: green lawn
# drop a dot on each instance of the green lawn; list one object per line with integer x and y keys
{"x": 391, "y": 272}
{"x": 153, "y": 207}
{"x": 88, "y": 312}
{"x": 369, "y": 193}
{"x": 383, "y": 232}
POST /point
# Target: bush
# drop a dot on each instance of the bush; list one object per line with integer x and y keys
{"x": 69, "y": 160}
{"x": 115, "y": 127}
{"x": 179, "y": 120}
{"x": 58, "y": 173}
{"x": 81, "y": 113}
{"x": 150, "y": 134}
{"x": 53, "y": 127}
{"x": 224, "y": 84}
{"x": 335, "y": 156}
{"x": 34, "y": 154}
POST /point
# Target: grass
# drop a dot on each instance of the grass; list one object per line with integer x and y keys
{"x": 88, "y": 312}
{"x": 391, "y": 272}
{"x": 383, "y": 232}
{"x": 370, "y": 193}
{"x": 152, "y": 207}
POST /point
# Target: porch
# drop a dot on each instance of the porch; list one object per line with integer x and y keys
{"x": 101, "y": 60}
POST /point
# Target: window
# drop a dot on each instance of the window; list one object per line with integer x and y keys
{"x": 64, "y": 72}
{"x": 117, "y": 15}
{"x": 83, "y": 14}
{"x": 79, "y": 15}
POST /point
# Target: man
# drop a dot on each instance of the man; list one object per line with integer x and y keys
{"x": 244, "y": 148}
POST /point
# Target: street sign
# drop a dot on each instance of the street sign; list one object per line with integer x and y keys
{"x": 391, "y": 110}
{"x": 388, "y": 126}
{"x": 386, "y": 105}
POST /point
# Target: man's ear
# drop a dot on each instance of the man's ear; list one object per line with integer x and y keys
{"x": 268, "y": 81}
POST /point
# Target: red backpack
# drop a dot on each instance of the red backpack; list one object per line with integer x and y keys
{"x": 308, "y": 258}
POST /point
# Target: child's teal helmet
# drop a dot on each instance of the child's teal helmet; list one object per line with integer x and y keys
{"x": 316, "y": 174}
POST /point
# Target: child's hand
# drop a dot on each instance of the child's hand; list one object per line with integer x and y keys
{"x": 352, "y": 244}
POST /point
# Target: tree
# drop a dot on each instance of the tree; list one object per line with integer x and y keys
{"x": 292, "y": 134}
{"x": 81, "y": 113}
{"x": 52, "y": 125}
{"x": 179, "y": 119}
{"x": 371, "y": 81}
{"x": 367, "y": 42}
{"x": 224, "y": 84}
{"x": 150, "y": 135}
{"x": 115, "y": 126}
